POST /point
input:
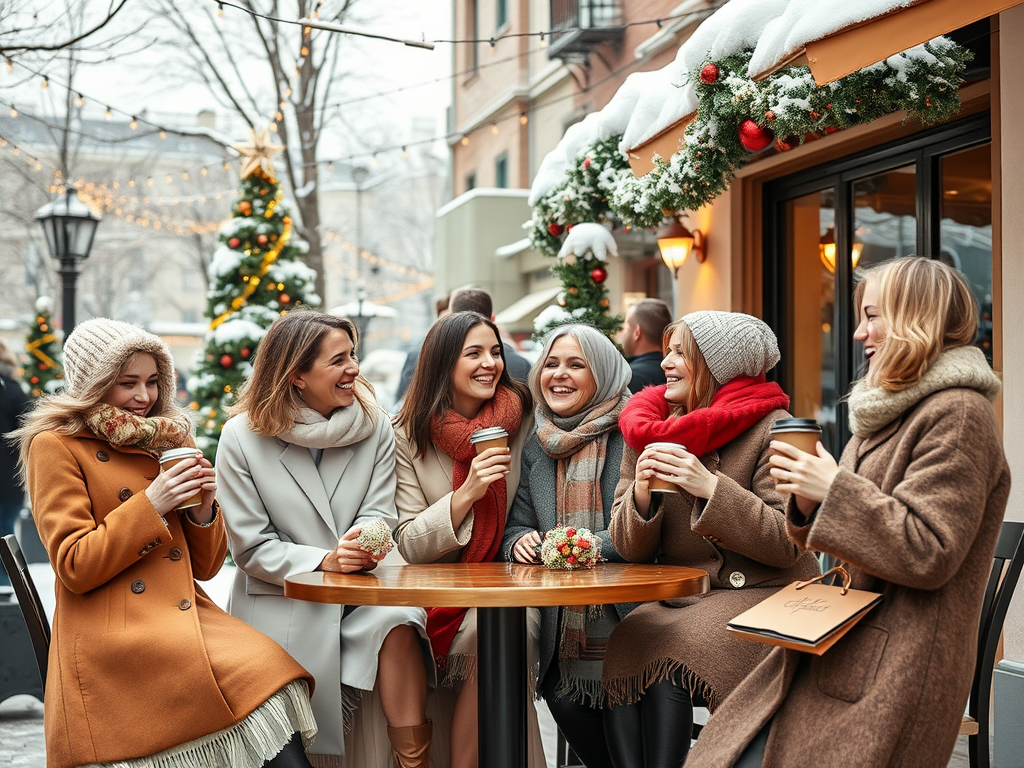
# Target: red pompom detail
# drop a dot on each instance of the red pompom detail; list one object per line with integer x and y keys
{"x": 753, "y": 137}
{"x": 709, "y": 73}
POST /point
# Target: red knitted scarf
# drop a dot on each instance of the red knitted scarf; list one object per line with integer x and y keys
{"x": 736, "y": 407}
{"x": 450, "y": 434}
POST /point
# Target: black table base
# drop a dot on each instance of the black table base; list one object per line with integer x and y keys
{"x": 501, "y": 670}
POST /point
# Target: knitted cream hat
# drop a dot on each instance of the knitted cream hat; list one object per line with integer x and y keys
{"x": 99, "y": 347}
{"x": 733, "y": 344}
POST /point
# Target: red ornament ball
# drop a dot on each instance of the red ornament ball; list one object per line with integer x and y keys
{"x": 599, "y": 274}
{"x": 555, "y": 228}
{"x": 262, "y": 239}
{"x": 234, "y": 242}
{"x": 245, "y": 207}
{"x": 227, "y": 360}
{"x": 284, "y": 298}
{"x": 34, "y": 380}
{"x": 245, "y": 353}
{"x": 709, "y": 74}
{"x": 831, "y": 129}
{"x": 753, "y": 137}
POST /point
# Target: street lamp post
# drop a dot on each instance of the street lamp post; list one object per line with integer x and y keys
{"x": 359, "y": 175}
{"x": 69, "y": 227}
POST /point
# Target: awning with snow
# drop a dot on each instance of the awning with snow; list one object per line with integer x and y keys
{"x": 529, "y": 304}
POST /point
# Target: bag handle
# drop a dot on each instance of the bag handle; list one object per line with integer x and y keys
{"x": 837, "y": 570}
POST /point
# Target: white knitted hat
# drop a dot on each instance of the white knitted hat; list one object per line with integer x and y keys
{"x": 733, "y": 344}
{"x": 99, "y": 347}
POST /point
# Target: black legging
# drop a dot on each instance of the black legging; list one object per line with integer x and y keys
{"x": 293, "y": 755}
{"x": 753, "y": 755}
{"x": 653, "y": 732}
{"x": 582, "y": 726}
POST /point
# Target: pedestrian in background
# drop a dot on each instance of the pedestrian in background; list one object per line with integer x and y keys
{"x": 569, "y": 472}
{"x": 706, "y": 433}
{"x": 14, "y": 404}
{"x": 641, "y": 339}
{"x": 913, "y": 509}
{"x": 144, "y": 669}
{"x": 305, "y": 461}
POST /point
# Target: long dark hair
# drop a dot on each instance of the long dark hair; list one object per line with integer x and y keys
{"x": 430, "y": 391}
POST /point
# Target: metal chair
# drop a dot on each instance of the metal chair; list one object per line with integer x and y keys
{"x": 1009, "y": 556}
{"x": 28, "y": 600}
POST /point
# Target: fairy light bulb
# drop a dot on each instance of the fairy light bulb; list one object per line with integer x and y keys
{"x": 134, "y": 124}
{"x": 524, "y": 119}
{"x": 46, "y": 82}
{"x": 108, "y": 114}
{"x": 162, "y": 134}
{"x": 80, "y": 101}
{"x": 14, "y": 111}
{"x": 465, "y": 141}
{"x": 494, "y": 128}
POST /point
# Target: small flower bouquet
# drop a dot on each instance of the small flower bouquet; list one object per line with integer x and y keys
{"x": 375, "y": 538}
{"x": 569, "y": 549}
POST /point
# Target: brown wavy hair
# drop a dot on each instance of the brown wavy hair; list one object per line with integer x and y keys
{"x": 704, "y": 384}
{"x": 925, "y": 307}
{"x": 291, "y": 346}
{"x": 430, "y": 391}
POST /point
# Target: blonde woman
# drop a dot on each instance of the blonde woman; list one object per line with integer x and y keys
{"x": 145, "y": 670}
{"x": 914, "y": 509}
{"x": 306, "y": 461}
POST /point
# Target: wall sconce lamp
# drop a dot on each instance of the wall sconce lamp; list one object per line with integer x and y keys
{"x": 676, "y": 243}
{"x": 827, "y": 249}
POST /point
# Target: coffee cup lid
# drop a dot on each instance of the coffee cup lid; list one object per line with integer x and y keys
{"x": 796, "y": 425}
{"x": 666, "y": 443}
{"x": 488, "y": 433}
{"x": 176, "y": 453}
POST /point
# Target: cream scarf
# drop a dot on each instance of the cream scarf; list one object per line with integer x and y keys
{"x": 871, "y": 408}
{"x": 345, "y": 427}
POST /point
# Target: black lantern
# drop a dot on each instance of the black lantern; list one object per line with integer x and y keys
{"x": 69, "y": 226}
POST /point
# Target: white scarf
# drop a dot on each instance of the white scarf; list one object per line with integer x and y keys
{"x": 871, "y": 408}
{"x": 345, "y": 427}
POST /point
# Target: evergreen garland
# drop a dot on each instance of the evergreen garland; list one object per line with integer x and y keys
{"x": 44, "y": 373}
{"x": 255, "y": 276}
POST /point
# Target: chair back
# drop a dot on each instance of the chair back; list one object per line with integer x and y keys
{"x": 1006, "y": 568}
{"x": 28, "y": 599}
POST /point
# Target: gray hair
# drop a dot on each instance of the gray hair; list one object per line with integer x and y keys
{"x": 609, "y": 368}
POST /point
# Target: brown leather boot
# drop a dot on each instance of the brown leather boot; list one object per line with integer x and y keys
{"x": 410, "y": 745}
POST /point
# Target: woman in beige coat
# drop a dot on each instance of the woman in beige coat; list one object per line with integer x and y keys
{"x": 913, "y": 509}
{"x": 145, "y": 670}
{"x": 452, "y": 504}
{"x": 706, "y": 432}
{"x": 307, "y": 460}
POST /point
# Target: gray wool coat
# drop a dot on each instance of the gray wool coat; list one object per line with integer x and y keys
{"x": 534, "y": 510}
{"x": 915, "y": 511}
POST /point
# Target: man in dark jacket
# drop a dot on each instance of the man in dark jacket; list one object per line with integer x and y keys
{"x": 13, "y": 404}
{"x": 641, "y": 341}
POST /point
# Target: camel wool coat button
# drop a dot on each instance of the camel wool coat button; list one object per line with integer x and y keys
{"x": 124, "y": 494}
{"x": 184, "y": 605}
{"x": 737, "y": 579}
{"x": 175, "y": 554}
{"x": 138, "y": 587}
{"x": 102, "y": 456}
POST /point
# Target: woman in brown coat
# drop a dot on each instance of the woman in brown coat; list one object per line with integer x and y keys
{"x": 706, "y": 433}
{"x": 913, "y": 509}
{"x": 145, "y": 670}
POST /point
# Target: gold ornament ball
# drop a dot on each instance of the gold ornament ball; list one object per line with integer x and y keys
{"x": 604, "y": 302}
{"x": 573, "y": 290}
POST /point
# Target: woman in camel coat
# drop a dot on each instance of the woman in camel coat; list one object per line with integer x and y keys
{"x": 144, "y": 668}
{"x": 914, "y": 509}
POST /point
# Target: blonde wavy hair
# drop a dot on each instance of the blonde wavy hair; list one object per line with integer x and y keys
{"x": 925, "y": 307}
{"x": 65, "y": 414}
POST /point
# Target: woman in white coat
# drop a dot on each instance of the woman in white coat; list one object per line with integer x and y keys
{"x": 306, "y": 461}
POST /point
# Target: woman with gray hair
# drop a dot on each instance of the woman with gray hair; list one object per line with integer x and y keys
{"x": 570, "y": 468}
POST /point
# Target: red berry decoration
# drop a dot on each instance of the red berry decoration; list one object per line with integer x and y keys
{"x": 262, "y": 239}
{"x": 555, "y": 228}
{"x": 709, "y": 74}
{"x": 753, "y": 137}
{"x": 234, "y": 242}
{"x": 598, "y": 274}
{"x": 769, "y": 115}
{"x": 787, "y": 143}
{"x": 227, "y": 360}
{"x": 831, "y": 129}
{"x": 586, "y": 163}
{"x": 245, "y": 353}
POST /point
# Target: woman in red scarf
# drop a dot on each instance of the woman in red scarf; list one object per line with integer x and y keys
{"x": 452, "y": 504}
{"x": 711, "y": 425}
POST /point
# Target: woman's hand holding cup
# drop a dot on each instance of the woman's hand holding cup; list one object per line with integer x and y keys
{"x": 808, "y": 477}
{"x": 176, "y": 484}
{"x": 489, "y": 466}
{"x": 526, "y": 549}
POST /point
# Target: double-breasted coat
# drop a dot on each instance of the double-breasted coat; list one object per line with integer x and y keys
{"x": 285, "y": 514}
{"x": 915, "y": 512}
{"x": 141, "y": 660}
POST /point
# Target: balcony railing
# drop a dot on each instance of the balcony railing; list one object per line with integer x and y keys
{"x": 578, "y": 26}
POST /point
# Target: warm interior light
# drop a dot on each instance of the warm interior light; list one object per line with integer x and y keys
{"x": 827, "y": 249}
{"x": 676, "y": 243}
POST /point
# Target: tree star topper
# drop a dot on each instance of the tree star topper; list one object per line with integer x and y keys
{"x": 257, "y": 154}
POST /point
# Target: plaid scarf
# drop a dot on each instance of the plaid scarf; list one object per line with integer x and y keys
{"x": 153, "y": 435}
{"x": 450, "y": 434}
{"x": 579, "y": 451}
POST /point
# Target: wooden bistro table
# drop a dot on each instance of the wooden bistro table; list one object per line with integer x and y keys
{"x": 501, "y": 592}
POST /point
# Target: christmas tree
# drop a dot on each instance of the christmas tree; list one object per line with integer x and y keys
{"x": 255, "y": 276}
{"x": 43, "y": 372}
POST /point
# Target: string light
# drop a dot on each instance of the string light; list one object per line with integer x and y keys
{"x": 10, "y": 66}
{"x": 14, "y": 112}
{"x": 109, "y": 113}
{"x": 494, "y": 128}
{"x": 80, "y": 101}
{"x": 220, "y": 10}
{"x": 465, "y": 140}
{"x": 162, "y": 134}
{"x": 46, "y": 82}
{"x": 134, "y": 124}
{"x": 523, "y": 118}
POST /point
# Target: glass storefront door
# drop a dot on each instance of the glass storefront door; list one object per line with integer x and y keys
{"x": 929, "y": 195}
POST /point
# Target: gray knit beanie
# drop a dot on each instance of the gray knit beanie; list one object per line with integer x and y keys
{"x": 100, "y": 347}
{"x": 733, "y": 344}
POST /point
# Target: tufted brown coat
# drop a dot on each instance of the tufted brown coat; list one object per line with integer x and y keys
{"x": 141, "y": 659}
{"x": 915, "y": 510}
{"x": 738, "y": 536}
